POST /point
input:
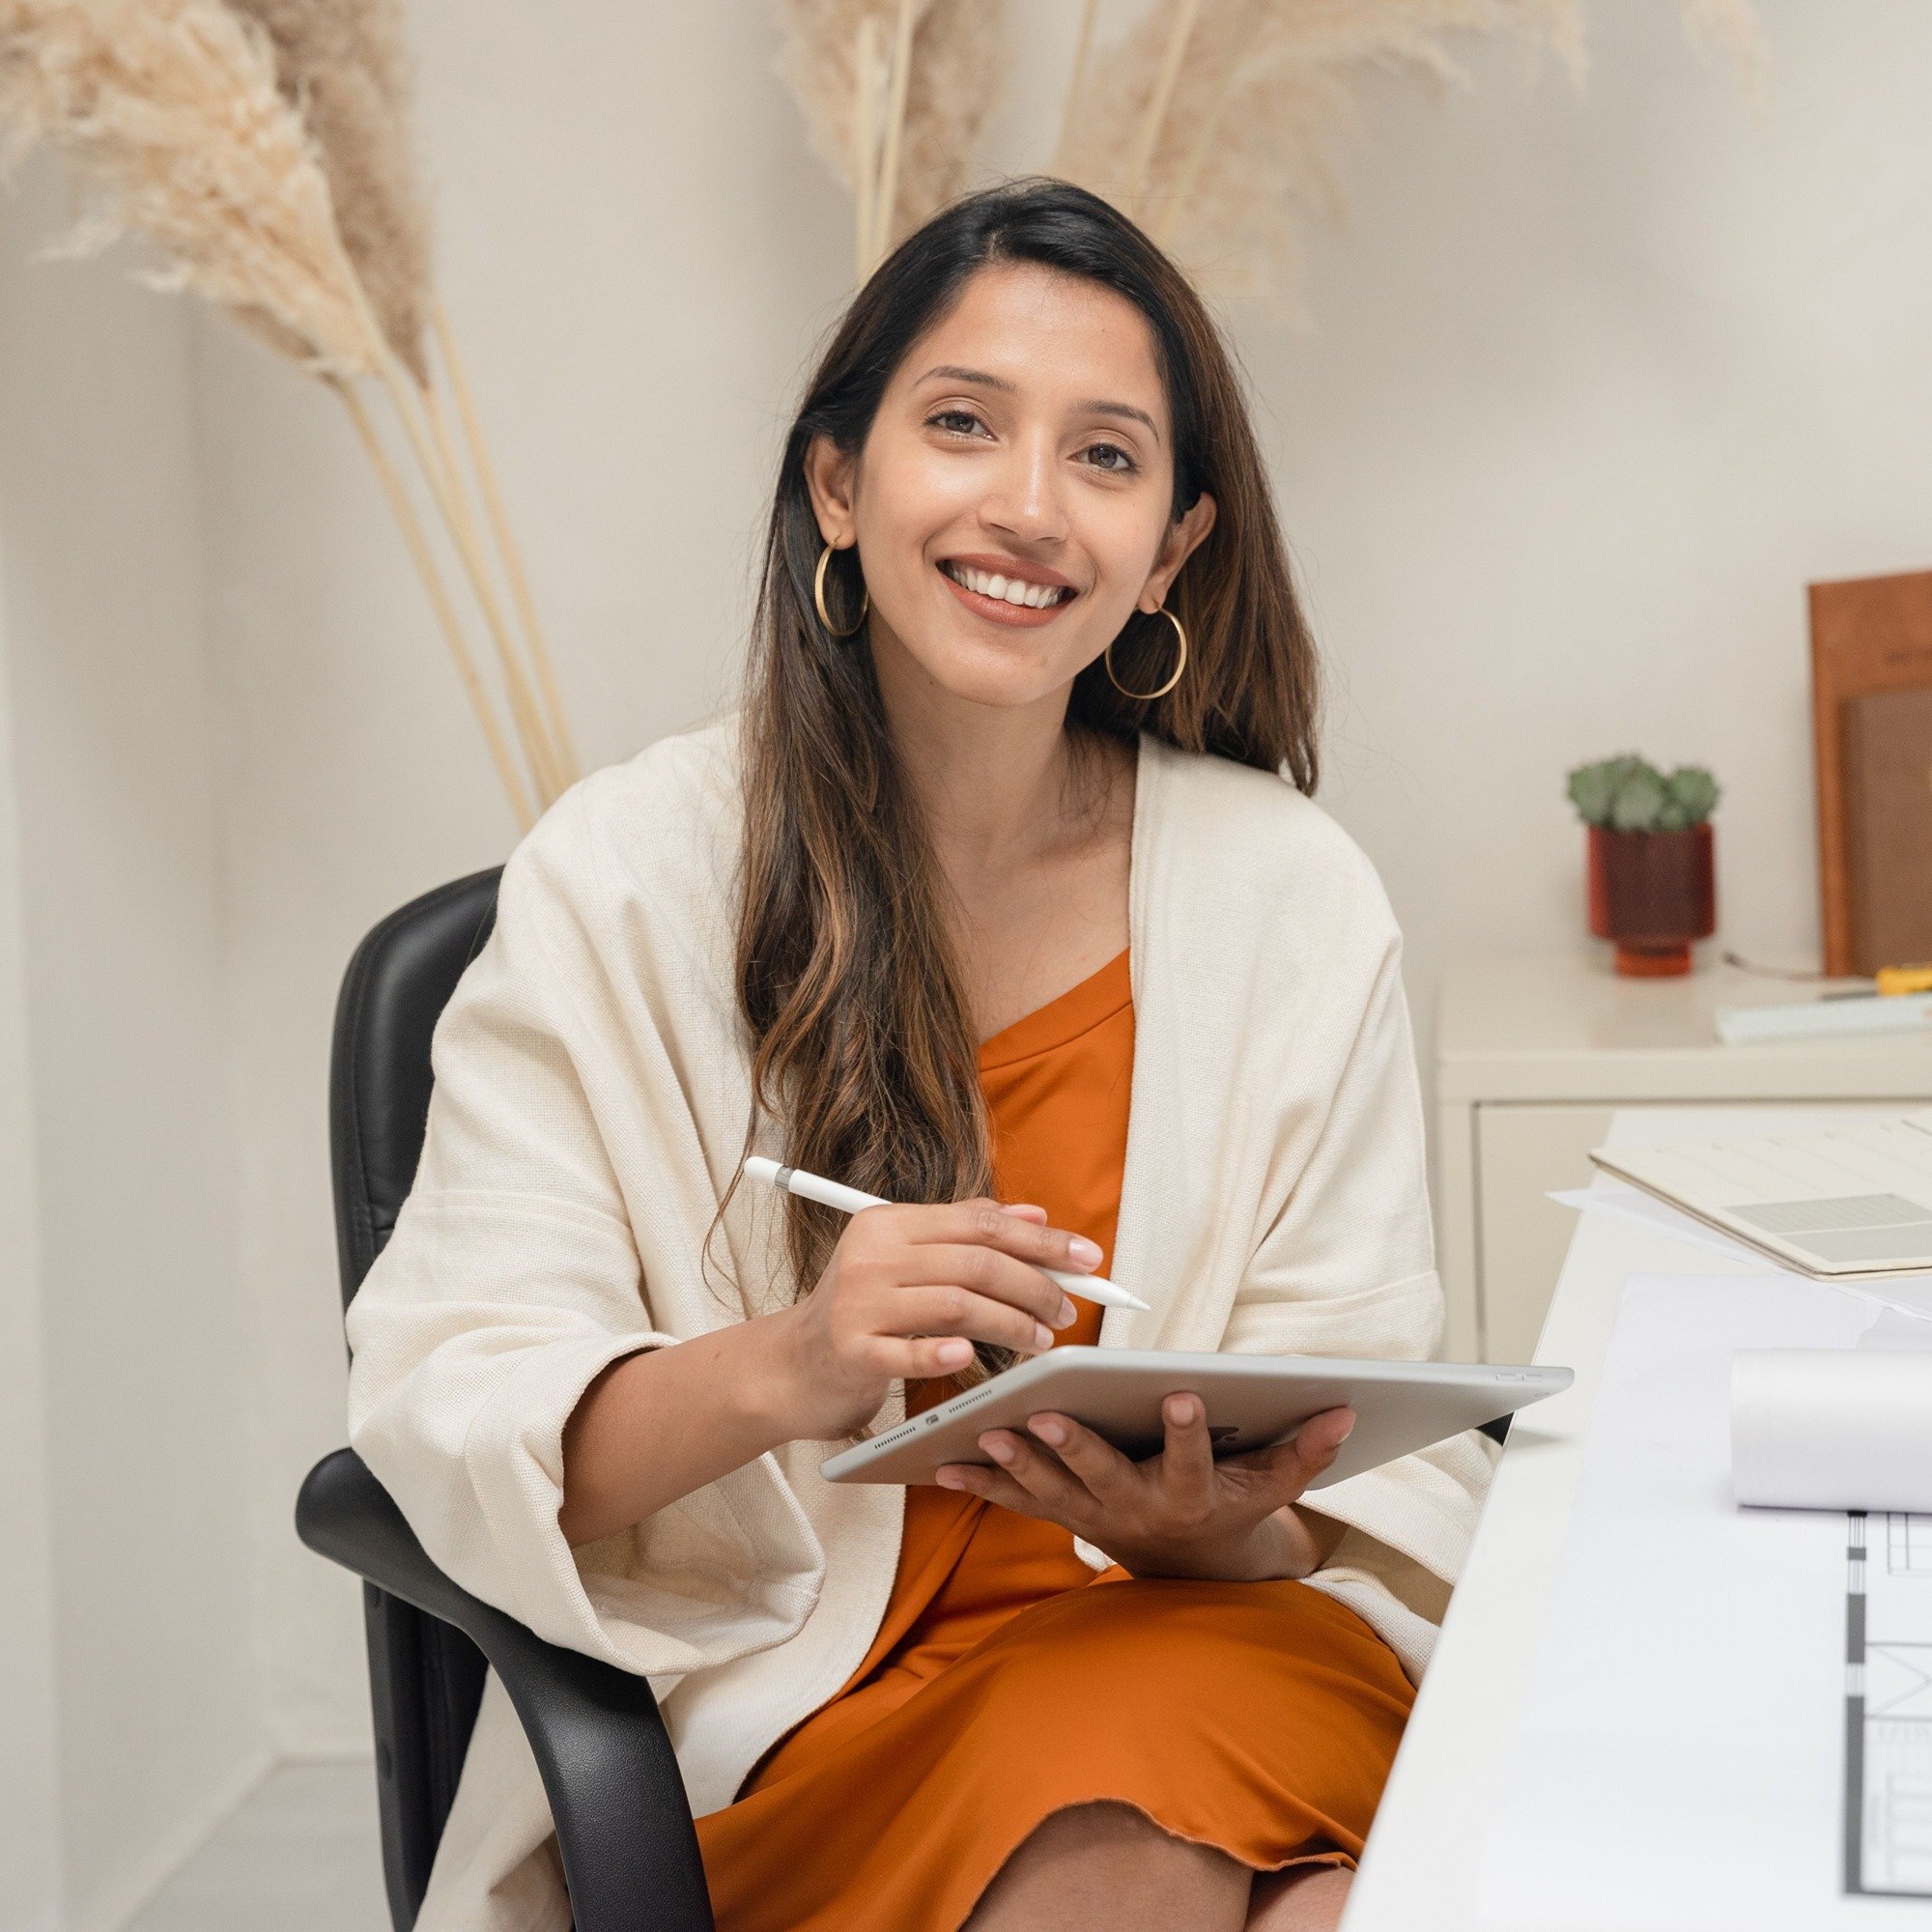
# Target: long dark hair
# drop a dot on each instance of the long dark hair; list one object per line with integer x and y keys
{"x": 862, "y": 1043}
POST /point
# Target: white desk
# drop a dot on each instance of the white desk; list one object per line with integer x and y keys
{"x": 1419, "y": 1869}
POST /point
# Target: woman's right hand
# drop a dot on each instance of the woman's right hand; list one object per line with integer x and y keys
{"x": 907, "y": 1292}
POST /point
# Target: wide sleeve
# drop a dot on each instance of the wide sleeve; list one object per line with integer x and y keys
{"x": 512, "y": 1278}
{"x": 1345, "y": 1264}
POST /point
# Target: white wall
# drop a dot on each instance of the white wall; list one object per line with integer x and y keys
{"x": 1600, "y": 385}
{"x": 144, "y": 1712}
{"x": 1596, "y": 383}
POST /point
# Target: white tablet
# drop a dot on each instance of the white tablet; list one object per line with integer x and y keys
{"x": 1252, "y": 1402}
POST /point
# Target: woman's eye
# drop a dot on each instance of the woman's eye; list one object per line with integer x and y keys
{"x": 1124, "y": 467}
{"x": 953, "y": 415}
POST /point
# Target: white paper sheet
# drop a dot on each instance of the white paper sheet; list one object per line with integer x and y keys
{"x": 1684, "y": 1760}
{"x": 1624, "y": 1203}
{"x": 1843, "y": 1428}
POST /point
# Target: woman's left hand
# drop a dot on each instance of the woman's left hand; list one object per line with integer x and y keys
{"x": 1176, "y": 1514}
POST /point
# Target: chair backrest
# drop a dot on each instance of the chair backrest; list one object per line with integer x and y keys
{"x": 425, "y": 1677}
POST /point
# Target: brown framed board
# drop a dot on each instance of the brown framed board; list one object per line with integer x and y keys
{"x": 1871, "y": 722}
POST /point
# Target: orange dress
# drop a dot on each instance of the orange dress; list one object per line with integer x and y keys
{"x": 1007, "y": 1679}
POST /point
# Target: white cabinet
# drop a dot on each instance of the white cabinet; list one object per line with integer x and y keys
{"x": 1521, "y": 1152}
{"x": 1534, "y": 1052}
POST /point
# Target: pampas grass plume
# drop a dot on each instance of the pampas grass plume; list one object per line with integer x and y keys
{"x": 1243, "y": 149}
{"x": 344, "y": 66}
{"x": 958, "y": 62}
{"x": 167, "y": 114}
{"x": 952, "y": 83}
{"x": 179, "y": 125}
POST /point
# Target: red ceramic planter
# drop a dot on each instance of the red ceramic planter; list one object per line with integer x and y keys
{"x": 1652, "y": 893}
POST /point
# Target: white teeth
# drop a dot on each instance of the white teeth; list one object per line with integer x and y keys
{"x": 1009, "y": 589}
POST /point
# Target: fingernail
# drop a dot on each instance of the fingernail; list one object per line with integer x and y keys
{"x": 1048, "y": 1430}
{"x": 1042, "y": 1335}
{"x": 1087, "y": 1253}
{"x": 951, "y": 1479}
{"x": 1000, "y": 1452}
{"x": 1067, "y": 1313}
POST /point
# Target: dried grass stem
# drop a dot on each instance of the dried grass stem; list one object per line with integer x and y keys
{"x": 416, "y": 543}
{"x": 484, "y": 470}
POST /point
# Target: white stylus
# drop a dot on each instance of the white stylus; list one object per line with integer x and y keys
{"x": 849, "y": 1200}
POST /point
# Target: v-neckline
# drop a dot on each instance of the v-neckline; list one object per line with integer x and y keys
{"x": 1066, "y": 1016}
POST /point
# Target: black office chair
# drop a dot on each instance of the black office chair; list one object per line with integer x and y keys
{"x": 623, "y": 1824}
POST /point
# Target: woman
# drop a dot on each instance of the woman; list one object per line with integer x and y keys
{"x": 1002, "y": 895}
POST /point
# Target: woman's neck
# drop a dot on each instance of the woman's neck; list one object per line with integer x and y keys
{"x": 996, "y": 784}
{"x": 1030, "y": 827}
{"x": 994, "y": 800}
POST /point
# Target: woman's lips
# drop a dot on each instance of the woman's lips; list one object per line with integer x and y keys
{"x": 997, "y": 610}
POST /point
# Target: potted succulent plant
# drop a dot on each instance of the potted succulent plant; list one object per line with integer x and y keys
{"x": 1653, "y": 886}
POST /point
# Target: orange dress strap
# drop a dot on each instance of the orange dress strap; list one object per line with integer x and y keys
{"x": 1007, "y": 1679}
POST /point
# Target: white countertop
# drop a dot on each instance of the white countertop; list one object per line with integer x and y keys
{"x": 1548, "y": 1025}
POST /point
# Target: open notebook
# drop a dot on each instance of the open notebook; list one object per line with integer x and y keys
{"x": 1829, "y": 1201}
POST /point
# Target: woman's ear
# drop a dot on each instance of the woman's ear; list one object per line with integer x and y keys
{"x": 1183, "y": 537}
{"x": 829, "y": 477}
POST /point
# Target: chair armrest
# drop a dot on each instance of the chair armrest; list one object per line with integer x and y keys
{"x": 616, "y": 1796}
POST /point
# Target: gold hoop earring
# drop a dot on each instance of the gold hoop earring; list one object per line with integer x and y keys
{"x": 1107, "y": 658}
{"x": 818, "y": 597}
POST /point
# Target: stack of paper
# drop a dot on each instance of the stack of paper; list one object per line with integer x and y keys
{"x": 1809, "y": 1019}
{"x": 1909, "y": 1294}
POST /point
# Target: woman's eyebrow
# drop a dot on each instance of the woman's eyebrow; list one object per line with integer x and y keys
{"x": 1098, "y": 405}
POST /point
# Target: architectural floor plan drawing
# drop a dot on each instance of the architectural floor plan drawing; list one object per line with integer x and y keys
{"x": 1889, "y": 1706}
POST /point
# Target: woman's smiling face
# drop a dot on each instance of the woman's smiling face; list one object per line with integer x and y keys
{"x": 1022, "y": 448}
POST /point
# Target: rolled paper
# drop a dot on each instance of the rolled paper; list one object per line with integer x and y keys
{"x": 1846, "y": 1428}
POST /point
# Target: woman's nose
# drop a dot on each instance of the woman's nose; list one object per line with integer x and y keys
{"x": 1026, "y": 498}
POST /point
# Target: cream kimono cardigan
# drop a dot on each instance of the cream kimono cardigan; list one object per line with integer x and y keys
{"x": 592, "y": 1087}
